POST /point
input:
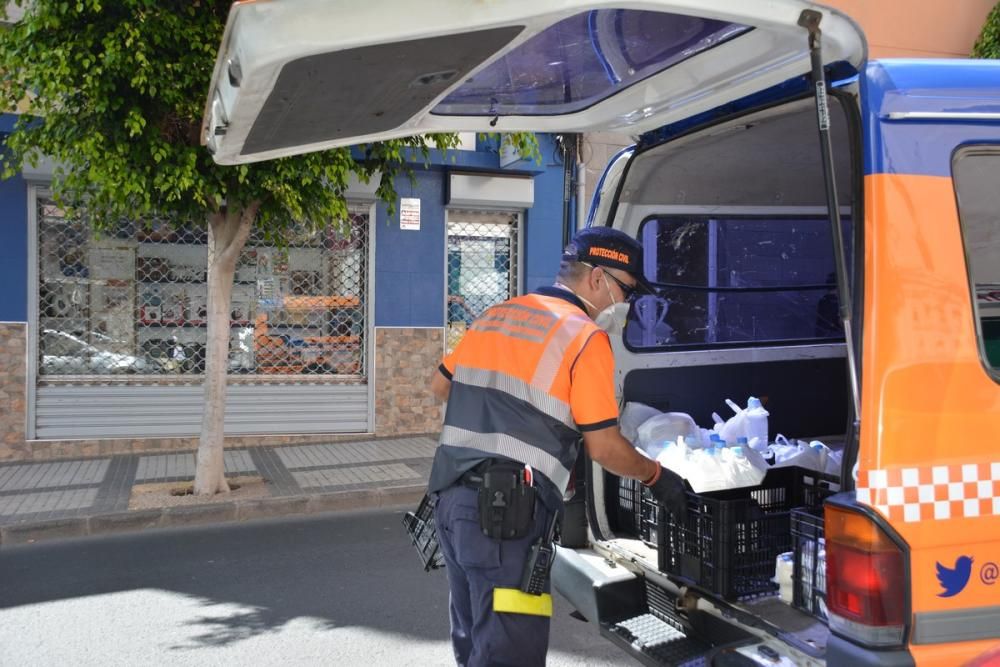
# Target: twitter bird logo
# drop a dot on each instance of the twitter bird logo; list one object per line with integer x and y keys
{"x": 954, "y": 579}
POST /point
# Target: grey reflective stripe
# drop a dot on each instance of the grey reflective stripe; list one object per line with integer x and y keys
{"x": 555, "y": 351}
{"x": 505, "y": 445}
{"x": 517, "y": 388}
{"x": 479, "y": 410}
{"x": 942, "y": 627}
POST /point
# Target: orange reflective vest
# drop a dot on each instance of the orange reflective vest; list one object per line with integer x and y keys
{"x": 528, "y": 377}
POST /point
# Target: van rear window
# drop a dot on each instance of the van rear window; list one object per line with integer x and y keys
{"x": 584, "y": 59}
{"x": 730, "y": 280}
{"x": 975, "y": 170}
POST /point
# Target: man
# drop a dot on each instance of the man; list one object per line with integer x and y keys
{"x": 530, "y": 377}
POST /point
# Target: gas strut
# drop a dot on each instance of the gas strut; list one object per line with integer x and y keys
{"x": 809, "y": 19}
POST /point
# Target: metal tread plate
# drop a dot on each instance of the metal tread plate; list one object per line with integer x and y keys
{"x": 655, "y": 642}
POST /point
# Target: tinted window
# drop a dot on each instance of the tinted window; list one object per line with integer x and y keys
{"x": 729, "y": 280}
{"x": 584, "y": 59}
{"x": 977, "y": 182}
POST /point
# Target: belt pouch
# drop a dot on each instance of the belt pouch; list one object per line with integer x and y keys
{"x": 506, "y": 505}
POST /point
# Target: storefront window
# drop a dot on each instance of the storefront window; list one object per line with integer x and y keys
{"x": 134, "y": 302}
{"x": 975, "y": 170}
{"x": 482, "y": 266}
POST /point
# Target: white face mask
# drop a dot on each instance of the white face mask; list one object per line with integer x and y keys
{"x": 612, "y": 319}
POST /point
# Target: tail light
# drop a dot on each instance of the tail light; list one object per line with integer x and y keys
{"x": 865, "y": 575}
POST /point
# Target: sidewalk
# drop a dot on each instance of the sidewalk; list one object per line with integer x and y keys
{"x": 73, "y": 498}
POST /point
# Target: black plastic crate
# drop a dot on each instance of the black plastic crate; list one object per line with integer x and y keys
{"x": 809, "y": 554}
{"x": 637, "y": 512}
{"x": 423, "y": 533}
{"x": 727, "y": 541}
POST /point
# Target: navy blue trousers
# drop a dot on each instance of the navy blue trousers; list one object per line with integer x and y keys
{"x": 475, "y": 565}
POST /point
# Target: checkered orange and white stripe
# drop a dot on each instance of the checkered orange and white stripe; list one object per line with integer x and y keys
{"x": 933, "y": 492}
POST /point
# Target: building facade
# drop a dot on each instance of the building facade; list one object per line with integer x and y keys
{"x": 333, "y": 334}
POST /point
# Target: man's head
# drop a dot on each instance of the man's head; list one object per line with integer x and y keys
{"x": 603, "y": 266}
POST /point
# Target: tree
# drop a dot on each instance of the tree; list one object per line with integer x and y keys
{"x": 114, "y": 93}
{"x": 988, "y": 44}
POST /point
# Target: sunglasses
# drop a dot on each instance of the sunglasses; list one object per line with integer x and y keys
{"x": 627, "y": 290}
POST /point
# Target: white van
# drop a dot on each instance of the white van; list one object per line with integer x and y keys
{"x": 818, "y": 227}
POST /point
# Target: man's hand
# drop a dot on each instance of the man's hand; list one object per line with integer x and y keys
{"x": 670, "y": 489}
{"x": 440, "y": 385}
{"x": 613, "y": 452}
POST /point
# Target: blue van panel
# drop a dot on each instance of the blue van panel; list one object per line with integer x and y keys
{"x": 925, "y": 147}
{"x": 840, "y": 73}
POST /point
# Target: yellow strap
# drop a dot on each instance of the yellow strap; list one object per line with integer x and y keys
{"x": 514, "y": 601}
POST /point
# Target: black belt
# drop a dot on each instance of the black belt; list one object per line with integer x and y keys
{"x": 473, "y": 478}
{"x": 470, "y": 480}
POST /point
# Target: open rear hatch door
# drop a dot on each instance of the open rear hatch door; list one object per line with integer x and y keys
{"x": 294, "y": 76}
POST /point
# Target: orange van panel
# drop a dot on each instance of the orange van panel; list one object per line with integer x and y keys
{"x": 929, "y": 458}
{"x": 954, "y": 655}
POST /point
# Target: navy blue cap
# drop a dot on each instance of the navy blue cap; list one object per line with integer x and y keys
{"x": 605, "y": 246}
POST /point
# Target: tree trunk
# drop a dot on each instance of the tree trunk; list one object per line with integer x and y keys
{"x": 227, "y": 234}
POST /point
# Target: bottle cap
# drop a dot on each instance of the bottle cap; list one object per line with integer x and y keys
{"x": 753, "y": 402}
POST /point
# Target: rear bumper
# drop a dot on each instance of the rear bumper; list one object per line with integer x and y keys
{"x": 843, "y": 653}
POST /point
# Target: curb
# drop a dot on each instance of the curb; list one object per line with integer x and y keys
{"x": 209, "y": 514}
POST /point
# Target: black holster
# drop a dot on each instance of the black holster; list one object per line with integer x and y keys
{"x": 506, "y": 503}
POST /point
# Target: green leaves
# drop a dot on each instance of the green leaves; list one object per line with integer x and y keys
{"x": 988, "y": 44}
{"x": 116, "y": 93}
{"x": 525, "y": 143}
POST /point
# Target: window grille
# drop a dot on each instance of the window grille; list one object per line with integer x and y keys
{"x": 131, "y": 305}
{"x": 482, "y": 268}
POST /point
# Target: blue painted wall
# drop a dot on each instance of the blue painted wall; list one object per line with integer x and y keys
{"x": 13, "y": 250}
{"x": 543, "y": 222}
{"x": 13, "y": 240}
{"x": 410, "y": 265}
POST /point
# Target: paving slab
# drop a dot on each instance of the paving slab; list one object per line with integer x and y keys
{"x": 90, "y": 496}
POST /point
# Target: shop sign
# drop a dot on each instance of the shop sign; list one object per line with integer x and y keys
{"x": 409, "y": 213}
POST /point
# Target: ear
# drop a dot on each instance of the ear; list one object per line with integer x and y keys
{"x": 595, "y": 277}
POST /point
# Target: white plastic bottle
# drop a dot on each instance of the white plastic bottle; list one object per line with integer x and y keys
{"x": 702, "y": 470}
{"x": 784, "y": 571}
{"x": 735, "y": 426}
{"x": 653, "y": 449}
{"x": 726, "y": 460}
{"x": 822, "y": 452}
{"x": 674, "y": 457}
{"x": 744, "y": 472}
{"x": 755, "y": 422}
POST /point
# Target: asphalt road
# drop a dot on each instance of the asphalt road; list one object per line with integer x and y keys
{"x": 343, "y": 589}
